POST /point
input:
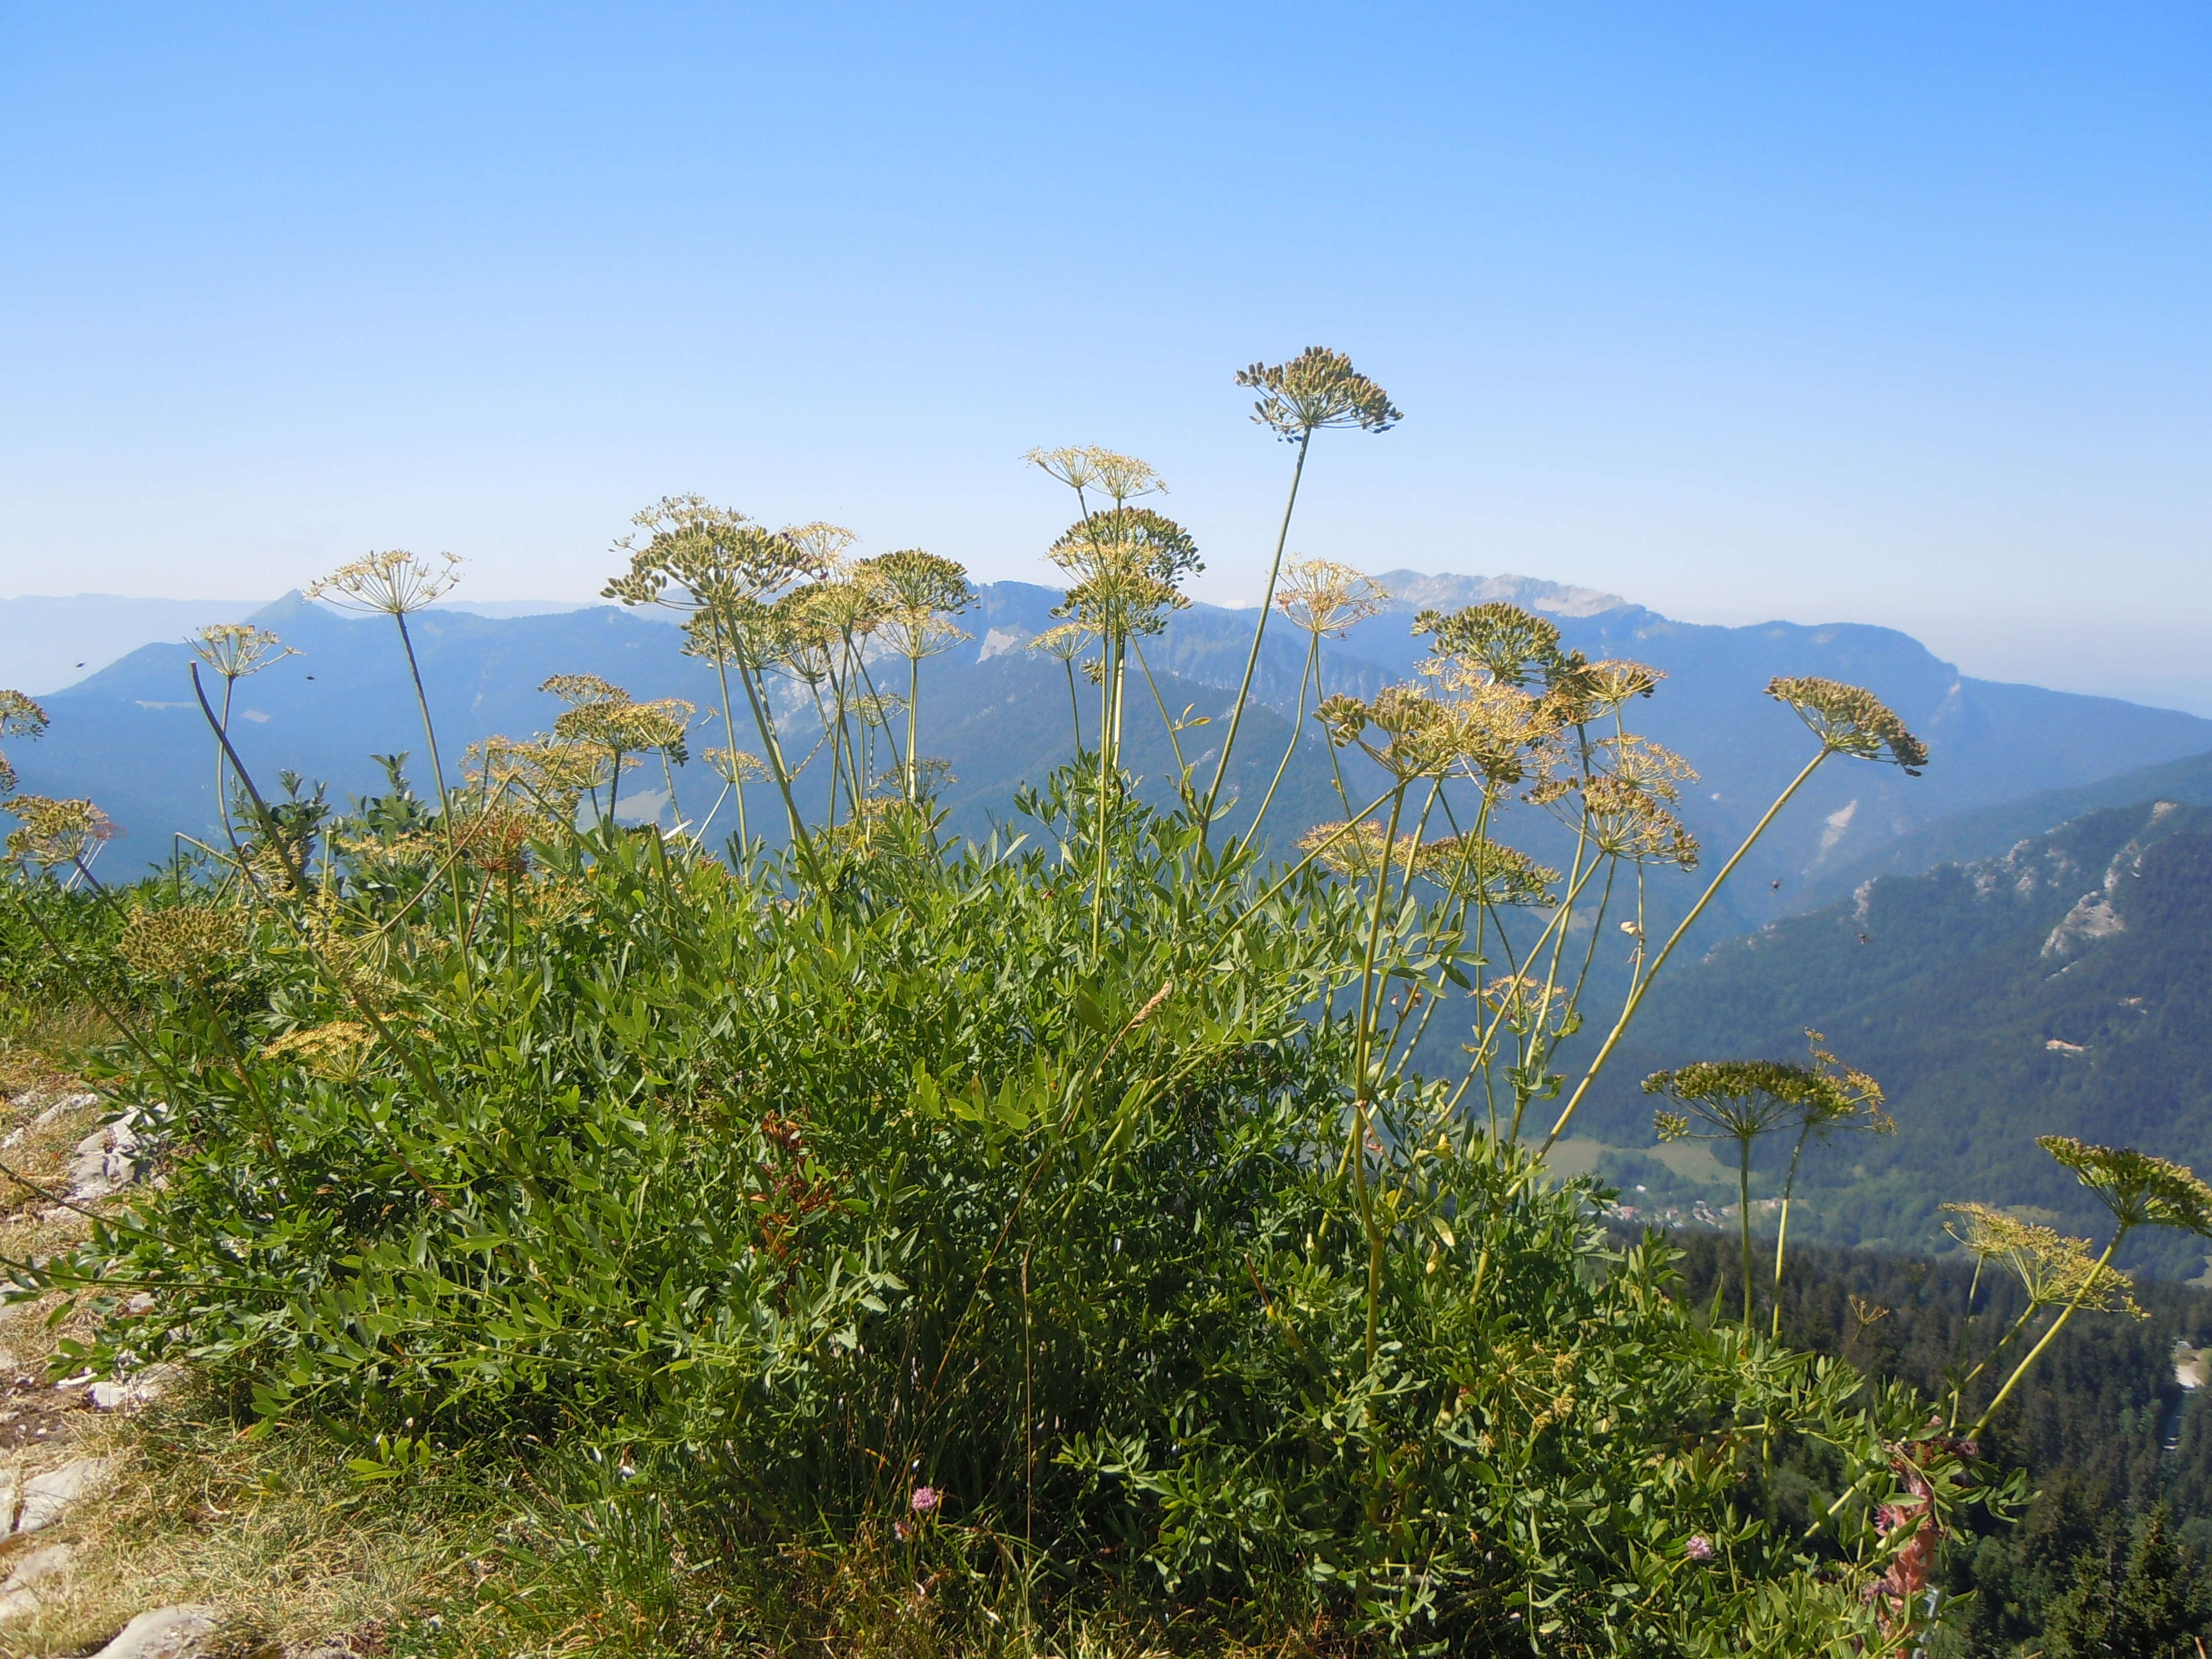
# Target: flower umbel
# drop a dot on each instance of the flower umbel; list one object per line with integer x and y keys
{"x": 18, "y": 718}
{"x": 335, "y": 1051}
{"x": 2139, "y": 1189}
{"x": 392, "y": 584}
{"x": 181, "y": 941}
{"x": 2052, "y": 1268}
{"x": 1848, "y": 720}
{"x": 1324, "y": 597}
{"x": 1318, "y": 387}
{"x": 57, "y": 832}
{"x": 234, "y": 650}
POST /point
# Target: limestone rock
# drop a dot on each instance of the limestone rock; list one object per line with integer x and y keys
{"x": 126, "y": 1394}
{"x": 164, "y": 1633}
{"x": 106, "y": 1162}
{"x": 45, "y": 1496}
{"x": 19, "y": 1596}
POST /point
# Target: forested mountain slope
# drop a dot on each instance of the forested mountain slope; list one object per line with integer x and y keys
{"x": 2062, "y": 987}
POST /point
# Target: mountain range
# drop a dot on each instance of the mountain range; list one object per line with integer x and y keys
{"x": 131, "y": 737}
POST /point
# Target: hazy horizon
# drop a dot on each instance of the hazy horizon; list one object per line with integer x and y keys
{"x": 2190, "y": 694}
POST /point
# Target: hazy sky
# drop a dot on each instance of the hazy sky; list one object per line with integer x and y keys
{"x": 1891, "y": 313}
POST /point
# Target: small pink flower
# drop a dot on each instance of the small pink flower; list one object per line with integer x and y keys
{"x": 899, "y": 1530}
{"x": 925, "y": 1499}
{"x": 1701, "y": 1547}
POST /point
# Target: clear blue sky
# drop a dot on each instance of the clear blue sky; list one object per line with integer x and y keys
{"x": 1894, "y": 314}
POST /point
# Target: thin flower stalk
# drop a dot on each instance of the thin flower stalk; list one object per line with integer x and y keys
{"x": 2141, "y": 1191}
{"x": 1846, "y": 721}
{"x": 1317, "y": 388}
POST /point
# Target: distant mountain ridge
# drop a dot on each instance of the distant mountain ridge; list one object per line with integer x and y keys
{"x": 130, "y": 738}
{"x": 50, "y": 642}
{"x": 1410, "y": 590}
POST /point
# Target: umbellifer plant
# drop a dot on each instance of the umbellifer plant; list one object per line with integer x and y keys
{"x": 1058, "y": 1224}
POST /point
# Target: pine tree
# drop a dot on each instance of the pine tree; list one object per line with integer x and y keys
{"x": 2152, "y": 1607}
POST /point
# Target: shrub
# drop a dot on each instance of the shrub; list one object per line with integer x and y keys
{"x": 1063, "y": 1209}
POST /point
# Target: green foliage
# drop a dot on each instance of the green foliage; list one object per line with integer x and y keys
{"x": 1064, "y": 1213}
{"x": 834, "y": 1200}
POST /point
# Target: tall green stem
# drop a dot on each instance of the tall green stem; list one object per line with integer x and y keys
{"x": 1781, "y": 1233}
{"x": 912, "y": 728}
{"x": 736, "y": 780}
{"x": 1298, "y": 725}
{"x": 1363, "y": 1044}
{"x": 1107, "y": 677}
{"x": 223, "y": 795}
{"x": 1644, "y": 984}
{"x": 422, "y": 703}
{"x": 438, "y": 771}
{"x": 2035, "y": 1353}
{"x": 767, "y": 729}
{"x": 1259, "y": 633}
{"x": 1743, "y": 1217}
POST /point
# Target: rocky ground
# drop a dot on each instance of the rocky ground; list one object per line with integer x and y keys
{"x": 82, "y": 1572}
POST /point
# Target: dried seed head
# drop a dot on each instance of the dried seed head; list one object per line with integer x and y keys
{"x": 621, "y": 727}
{"x": 2139, "y": 1189}
{"x": 696, "y": 556}
{"x": 877, "y": 709}
{"x": 496, "y": 836}
{"x": 2054, "y": 1269}
{"x": 1498, "y": 641}
{"x": 1329, "y": 599}
{"x": 839, "y": 609}
{"x": 181, "y": 941}
{"x": 1625, "y": 820}
{"x": 1073, "y": 465}
{"x": 1344, "y": 717}
{"x": 1127, "y": 564}
{"x": 918, "y": 593}
{"x": 737, "y": 765}
{"x": 335, "y": 1051}
{"x": 1734, "y": 1099}
{"x": 1652, "y": 767}
{"x": 394, "y": 584}
{"x": 1318, "y": 387}
{"x": 1486, "y": 870}
{"x": 1848, "y": 720}
{"x": 53, "y": 833}
{"x": 1065, "y": 643}
{"x": 1593, "y": 688}
{"x": 545, "y": 778}
{"x": 1124, "y": 477}
{"x": 579, "y": 690}
{"x": 20, "y": 717}
{"x": 234, "y": 650}
{"x": 1356, "y": 853}
{"x": 740, "y": 631}
{"x": 824, "y": 544}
